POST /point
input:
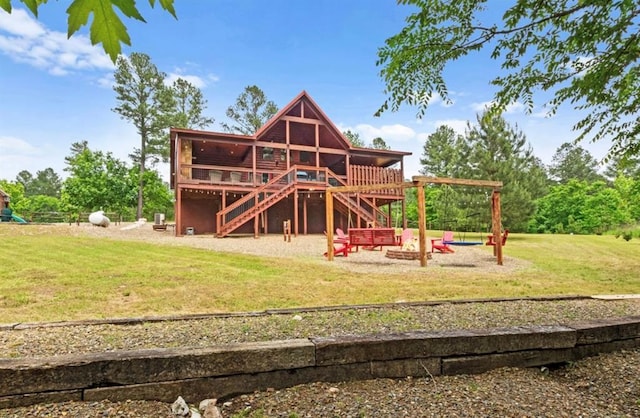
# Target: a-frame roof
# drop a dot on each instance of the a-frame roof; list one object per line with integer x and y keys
{"x": 299, "y": 110}
{"x": 311, "y": 107}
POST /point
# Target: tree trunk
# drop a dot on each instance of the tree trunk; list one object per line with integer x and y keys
{"x": 143, "y": 158}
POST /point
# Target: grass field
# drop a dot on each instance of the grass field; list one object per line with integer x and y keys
{"x": 49, "y": 277}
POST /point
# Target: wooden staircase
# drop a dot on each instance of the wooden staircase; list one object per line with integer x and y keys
{"x": 363, "y": 207}
{"x": 254, "y": 203}
{"x": 259, "y": 200}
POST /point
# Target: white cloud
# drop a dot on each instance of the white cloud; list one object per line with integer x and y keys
{"x": 11, "y": 146}
{"x": 106, "y": 81}
{"x": 16, "y": 155}
{"x": 458, "y": 125}
{"x": 542, "y": 114}
{"x": 195, "y": 80}
{"x": 480, "y": 106}
{"x": 21, "y": 24}
{"x": 26, "y": 40}
{"x": 512, "y": 108}
{"x": 189, "y": 75}
{"x": 433, "y": 99}
{"x": 395, "y": 132}
{"x": 516, "y": 107}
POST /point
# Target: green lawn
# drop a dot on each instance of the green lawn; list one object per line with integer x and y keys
{"x": 52, "y": 277}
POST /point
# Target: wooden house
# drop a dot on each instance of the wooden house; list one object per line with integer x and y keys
{"x": 236, "y": 184}
{"x": 4, "y": 199}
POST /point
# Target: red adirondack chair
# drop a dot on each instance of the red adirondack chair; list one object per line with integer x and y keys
{"x": 343, "y": 239}
{"x": 490, "y": 240}
{"x": 341, "y": 244}
{"x": 407, "y": 235}
{"x": 441, "y": 244}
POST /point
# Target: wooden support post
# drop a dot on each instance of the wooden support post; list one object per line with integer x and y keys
{"x": 404, "y": 213}
{"x": 422, "y": 230}
{"x": 496, "y": 221}
{"x": 265, "y": 222}
{"x": 329, "y": 213}
{"x": 304, "y": 218}
{"x": 256, "y": 221}
{"x": 178, "y": 212}
{"x": 286, "y": 230}
{"x": 296, "y": 220}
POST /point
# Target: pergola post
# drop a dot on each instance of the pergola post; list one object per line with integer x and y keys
{"x": 329, "y": 216}
{"x": 496, "y": 222}
{"x": 422, "y": 228}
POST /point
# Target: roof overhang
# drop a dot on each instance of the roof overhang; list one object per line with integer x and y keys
{"x": 376, "y": 157}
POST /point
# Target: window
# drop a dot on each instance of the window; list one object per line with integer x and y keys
{"x": 283, "y": 155}
{"x": 304, "y": 157}
{"x": 267, "y": 153}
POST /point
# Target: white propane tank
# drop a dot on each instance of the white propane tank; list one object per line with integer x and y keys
{"x": 99, "y": 219}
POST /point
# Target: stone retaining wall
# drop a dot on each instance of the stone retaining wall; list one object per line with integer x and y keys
{"x": 223, "y": 371}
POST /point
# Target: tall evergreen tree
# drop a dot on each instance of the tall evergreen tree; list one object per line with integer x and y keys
{"x": 25, "y": 178}
{"x": 144, "y": 101}
{"x": 572, "y": 162}
{"x": 45, "y": 183}
{"x": 623, "y": 165}
{"x": 76, "y": 149}
{"x": 251, "y": 110}
{"x": 379, "y": 143}
{"x": 442, "y": 153}
{"x": 442, "y": 157}
{"x": 354, "y": 138}
{"x": 496, "y": 151}
{"x": 189, "y": 106}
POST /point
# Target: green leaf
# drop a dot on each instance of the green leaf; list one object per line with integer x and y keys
{"x": 128, "y": 7}
{"x": 5, "y": 5}
{"x": 107, "y": 28}
{"x": 166, "y": 5}
{"x": 78, "y": 15}
{"x": 32, "y": 5}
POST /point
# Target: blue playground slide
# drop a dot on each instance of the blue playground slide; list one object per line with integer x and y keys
{"x": 18, "y": 219}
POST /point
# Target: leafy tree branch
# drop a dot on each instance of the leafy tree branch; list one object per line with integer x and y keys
{"x": 106, "y": 27}
{"x": 585, "y": 52}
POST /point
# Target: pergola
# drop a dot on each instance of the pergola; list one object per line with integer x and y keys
{"x": 420, "y": 182}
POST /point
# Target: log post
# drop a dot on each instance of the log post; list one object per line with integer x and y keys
{"x": 496, "y": 220}
{"x": 422, "y": 232}
{"x": 329, "y": 213}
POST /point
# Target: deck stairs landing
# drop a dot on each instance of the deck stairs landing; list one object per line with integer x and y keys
{"x": 278, "y": 188}
{"x": 363, "y": 207}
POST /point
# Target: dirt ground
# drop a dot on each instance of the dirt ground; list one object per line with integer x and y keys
{"x": 306, "y": 246}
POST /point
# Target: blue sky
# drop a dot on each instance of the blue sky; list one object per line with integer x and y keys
{"x": 56, "y": 91}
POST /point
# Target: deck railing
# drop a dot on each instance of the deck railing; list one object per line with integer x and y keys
{"x": 361, "y": 175}
{"x": 221, "y": 175}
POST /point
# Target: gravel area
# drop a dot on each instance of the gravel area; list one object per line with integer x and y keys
{"x": 308, "y": 247}
{"x": 603, "y": 386}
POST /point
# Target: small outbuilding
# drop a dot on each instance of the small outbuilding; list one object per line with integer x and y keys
{"x": 5, "y": 211}
{"x": 4, "y": 200}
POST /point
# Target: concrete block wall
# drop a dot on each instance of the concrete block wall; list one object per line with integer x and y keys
{"x": 224, "y": 371}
